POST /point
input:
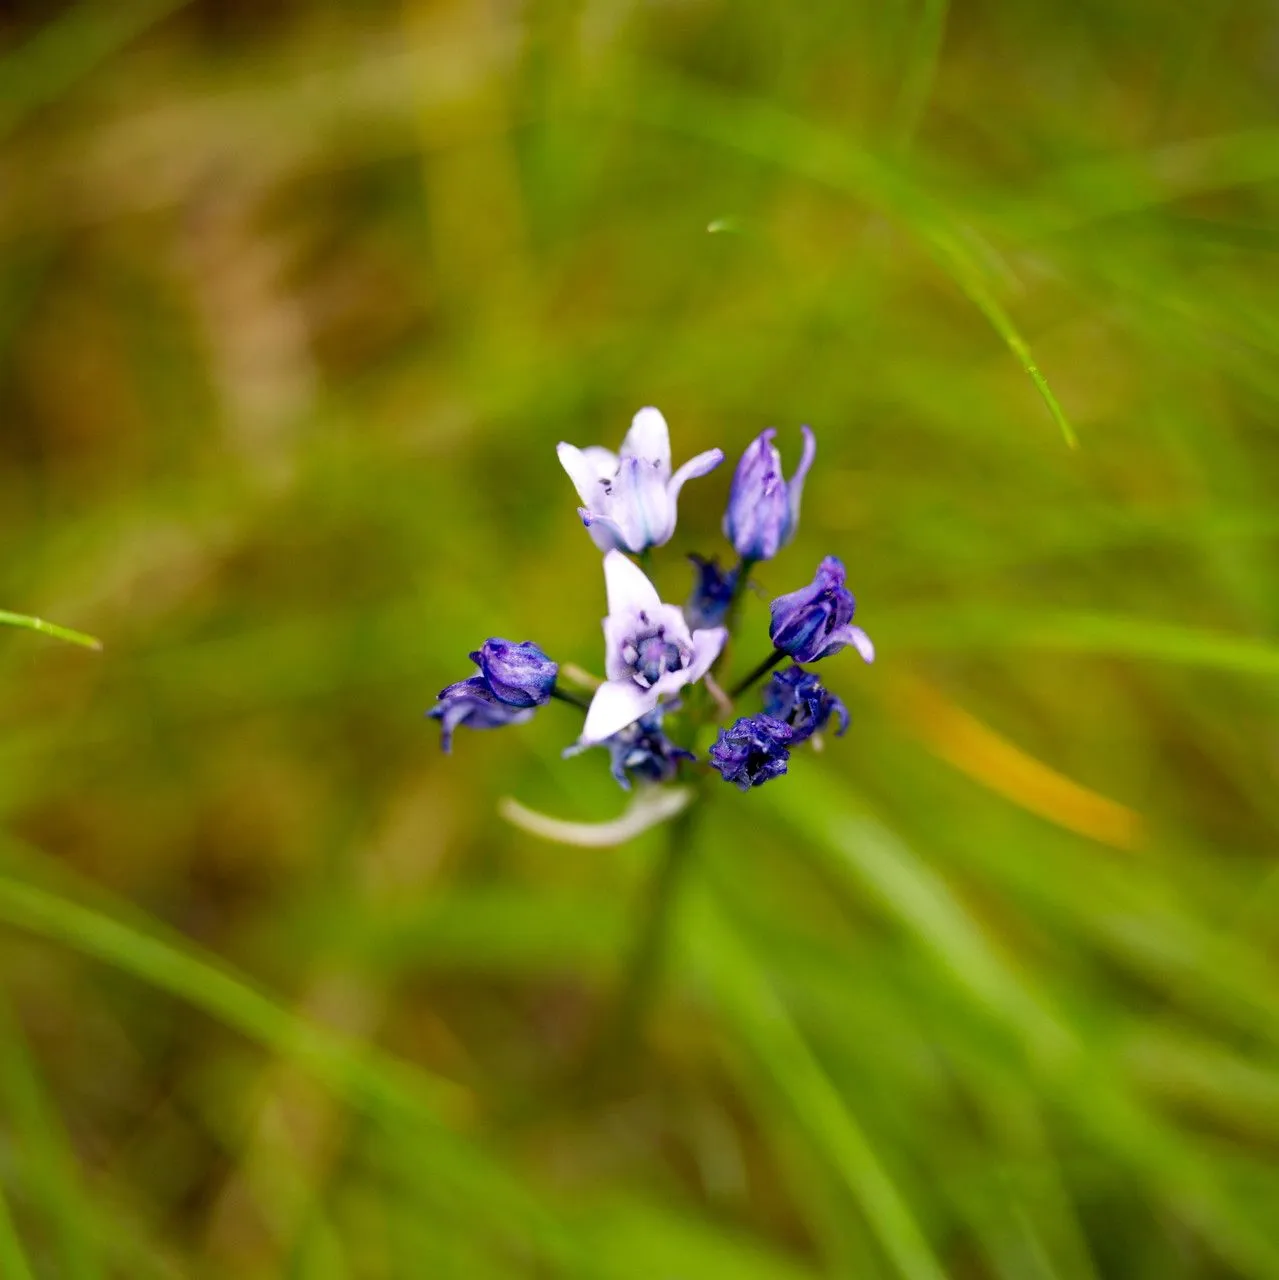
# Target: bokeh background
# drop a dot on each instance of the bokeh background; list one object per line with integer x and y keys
{"x": 296, "y": 301}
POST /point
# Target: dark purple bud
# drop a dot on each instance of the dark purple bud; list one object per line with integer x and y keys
{"x": 644, "y": 750}
{"x": 797, "y": 698}
{"x": 472, "y": 703}
{"x": 753, "y": 750}
{"x": 815, "y": 621}
{"x": 519, "y": 674}
{"x": 712, "y": 594}
{"x": 763, "y": 510}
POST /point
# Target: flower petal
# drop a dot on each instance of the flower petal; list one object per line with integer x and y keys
{"x": 862, "y": 643}
{"x": 707, "y": 645}
{"x": 795, "y": 490}
{"x": 616, "y": 704}
{"x": 649, "y": 438}
{"x": 639, "y": 504}
{"x": 586, "y": 469}
{"x": 604, "y": 530}
{"x": 629, "y": 591}
{"x": 701, "y": 465}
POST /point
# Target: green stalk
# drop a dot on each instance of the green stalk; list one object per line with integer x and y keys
{"x": 49, "y": 629}
{"x": 642, "y": 978}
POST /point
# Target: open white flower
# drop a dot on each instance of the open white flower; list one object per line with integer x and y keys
{"x": 630, "y": 497}
{"x": 649, "y": 651}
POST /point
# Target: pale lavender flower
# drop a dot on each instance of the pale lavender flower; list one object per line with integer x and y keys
{"x": 630, "y": 497}
{"x": 649, "y": 651}
{"x": 763, "y": 510}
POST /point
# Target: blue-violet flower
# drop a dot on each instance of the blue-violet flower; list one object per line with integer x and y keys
{"x": 643, "y": 749}
{"x": 520, "y": 674}
{"x": 815, "y": 621}
{"x": 798, "y": 699}
{"x": 712, "y": 593}
{"x": 763, "y": 510}
{"x": 649, "y": 651}
{"x": 753, "y": 750}
{"x": 514, "y": 679}
{"x": 630, "y": 497}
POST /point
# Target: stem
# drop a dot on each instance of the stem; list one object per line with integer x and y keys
{"x": 49, "y": 629}
{"x": 762, "y": 670}
{"x": 573, "y": 699}
{"x": 643, "y": 975}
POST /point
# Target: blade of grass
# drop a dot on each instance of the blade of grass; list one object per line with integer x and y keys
{"x": 49, "y": 629}
{"x": 67, "y": 49}
{"x": 1085, "y": 633}
{"x": 48, "y": 1166}
{"x": 762, "y": 131}
{"x": 13, "y": 1261}
{"x": 1086, "y": 1084}
{"x": 410, "y": 1105}
{"x": 745, "y": 997}
{"x": 351, "y": 1069}
{"x": 921, "y": 70}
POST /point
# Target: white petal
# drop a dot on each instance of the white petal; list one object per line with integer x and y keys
{"x": 618, "y": 629}
{"x": 650, "y": 439}
{"x": 702, "y": 464}
{"x": 862, "y": 643}
{"x": 616, "y": 704}
{"x": 604, "y": 461}
{"x": 671, "y": 617}
{"x": 671, "y": 682}
{"x": 603, "y": 529}
{"x": 629, "y": 591}
{"x": 586, "y": 468}
{"x": 707, "y": 645}
{"x": 640, "y": 506}
{"x": 694, "y": 467}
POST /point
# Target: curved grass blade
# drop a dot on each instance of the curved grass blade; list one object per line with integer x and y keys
{"x": 875, "y": 863}
{"x": 745, "y": 996}
{"x": 13, "y": 1261}
{"x": 350, "y": 1068}
{"x": 47, "y": 1164}
{"x": 758, "y": 129}
{"x": 65, "y": 50}
{"x": 1085, "y": 633}
{"x": 49, "y": 629}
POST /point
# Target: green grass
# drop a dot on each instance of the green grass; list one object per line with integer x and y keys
{"x": 294, "y": 307}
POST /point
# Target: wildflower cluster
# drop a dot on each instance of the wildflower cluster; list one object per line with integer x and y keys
{"x": 654, "y": 651}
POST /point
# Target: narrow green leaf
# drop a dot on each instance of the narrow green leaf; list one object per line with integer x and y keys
{"x": 745, "y": 997}
{"x": 758, "y": 129}
{"x": 46, "y": 1163}
{"x": 49, "y": 629}
{"x": 66, "y": 49}
{"x": 13, "y": 1261}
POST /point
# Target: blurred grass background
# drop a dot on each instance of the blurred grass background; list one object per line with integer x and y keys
{"x": 295, "y": 302}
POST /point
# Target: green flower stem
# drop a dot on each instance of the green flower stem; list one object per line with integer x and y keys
{"x": 759, "y": 672}
{"x": 642, "y": 978}
{"x": 573, "y": 699}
